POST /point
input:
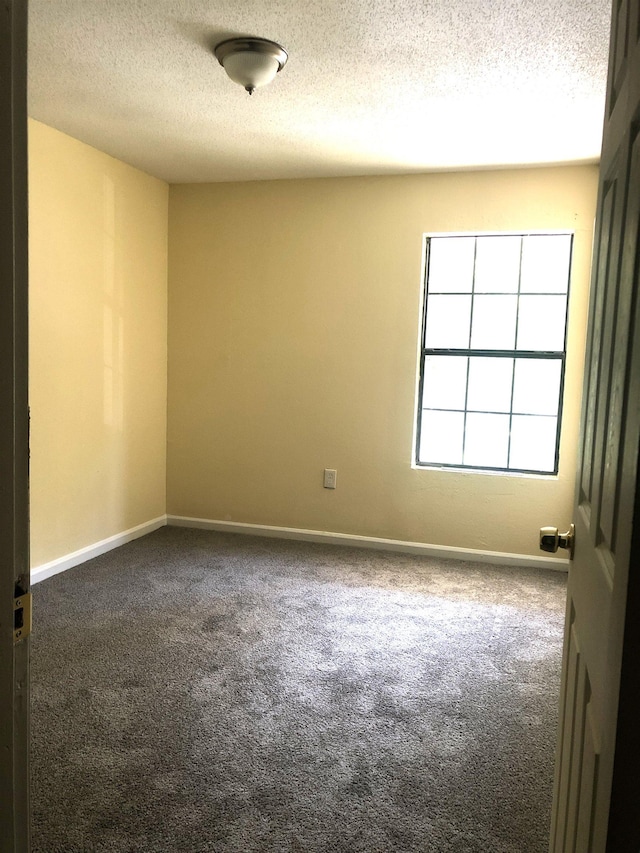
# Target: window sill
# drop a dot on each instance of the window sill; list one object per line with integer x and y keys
{"x": 483, "y": 472}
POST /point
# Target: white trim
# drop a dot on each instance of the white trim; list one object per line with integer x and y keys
{"x": 497, "y": 557}
{"x": 46, "y": 570}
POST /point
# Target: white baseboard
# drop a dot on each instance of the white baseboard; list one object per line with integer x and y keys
{"x": 496, "y": 557}
{"x": 46, "y": 570}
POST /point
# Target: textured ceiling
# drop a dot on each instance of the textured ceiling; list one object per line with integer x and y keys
{"x": 371, "y": 86}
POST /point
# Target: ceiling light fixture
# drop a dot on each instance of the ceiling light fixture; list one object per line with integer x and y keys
{"x": 251, "y": 62}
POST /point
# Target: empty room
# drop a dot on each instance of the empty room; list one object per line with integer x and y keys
{"x": 332, "y": 384}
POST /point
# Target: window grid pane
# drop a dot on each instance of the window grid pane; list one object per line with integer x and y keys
{"x": 511, "y": 415}
{"x": 545, "y": 410}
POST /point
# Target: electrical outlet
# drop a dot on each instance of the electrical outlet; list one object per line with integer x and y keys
{"x": 330, "y": 475}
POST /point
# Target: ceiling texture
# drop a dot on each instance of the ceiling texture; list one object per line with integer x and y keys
{"x": 372, "y": 87}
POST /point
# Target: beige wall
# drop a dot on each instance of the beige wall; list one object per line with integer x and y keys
{"x": 98, "y": 279}
{"x": 293, "y": 340}
{"x": 293, "y": 346}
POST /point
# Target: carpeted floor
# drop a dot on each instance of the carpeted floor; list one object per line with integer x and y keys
{"x": 196, "y": 691}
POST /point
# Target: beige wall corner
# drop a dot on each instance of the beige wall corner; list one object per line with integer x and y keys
{"x": 98, "y": 278}
{"x": 293, "y": 345}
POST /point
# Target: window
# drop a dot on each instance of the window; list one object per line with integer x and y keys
{"x": 493, "y": 351}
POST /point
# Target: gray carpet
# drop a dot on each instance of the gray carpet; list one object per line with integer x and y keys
{"x": 196, "y": 691}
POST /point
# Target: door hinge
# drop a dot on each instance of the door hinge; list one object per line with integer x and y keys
{"x": 21, "y": 616}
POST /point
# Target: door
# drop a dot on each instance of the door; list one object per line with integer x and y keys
{"x": 594, "y": 808}
{"x": 14, "y": 525}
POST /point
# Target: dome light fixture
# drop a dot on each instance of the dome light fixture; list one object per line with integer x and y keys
{"x": 251, "y": 62}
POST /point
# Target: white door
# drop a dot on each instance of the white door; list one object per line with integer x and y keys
{"x": 14, "y": 501}
{"x": 594, "y": 808}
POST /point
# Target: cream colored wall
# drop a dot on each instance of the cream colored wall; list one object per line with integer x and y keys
{"x": 98, "y": 290}
{"x": 293, "y": 340}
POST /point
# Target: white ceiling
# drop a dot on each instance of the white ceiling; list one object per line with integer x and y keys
{"x": 371, "y": 86}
